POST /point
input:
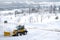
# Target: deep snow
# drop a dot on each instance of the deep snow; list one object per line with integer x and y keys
{"x": 39, "y": 26}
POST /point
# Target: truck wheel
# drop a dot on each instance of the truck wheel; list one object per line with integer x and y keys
{"x": 25, "y": 33}
{"x": 20, "y": 34}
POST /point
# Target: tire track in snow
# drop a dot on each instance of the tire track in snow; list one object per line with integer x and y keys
{"x": 46, "y": 29}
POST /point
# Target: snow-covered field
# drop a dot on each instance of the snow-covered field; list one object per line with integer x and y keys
{"x": 39, "y": 26}
{"x": 37, "y": 33}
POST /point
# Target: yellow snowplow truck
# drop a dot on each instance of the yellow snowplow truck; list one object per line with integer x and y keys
{"x": 20, "y": 31}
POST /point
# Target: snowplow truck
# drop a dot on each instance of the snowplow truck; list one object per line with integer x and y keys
{"x": 19, "y": 31}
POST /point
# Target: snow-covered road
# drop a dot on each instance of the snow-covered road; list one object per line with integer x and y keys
{"x": 36, "y": 34}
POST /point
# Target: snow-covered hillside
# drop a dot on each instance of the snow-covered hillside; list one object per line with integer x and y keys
{"x": 39, "y": 26}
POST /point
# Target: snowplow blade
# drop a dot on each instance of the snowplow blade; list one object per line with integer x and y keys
{"x": 7, "y": 34}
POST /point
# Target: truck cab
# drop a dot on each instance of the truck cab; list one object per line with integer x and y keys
{"x": 20, "y": 31}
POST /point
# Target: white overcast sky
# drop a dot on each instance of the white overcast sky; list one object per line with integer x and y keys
{"x": 30, "y": 0}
